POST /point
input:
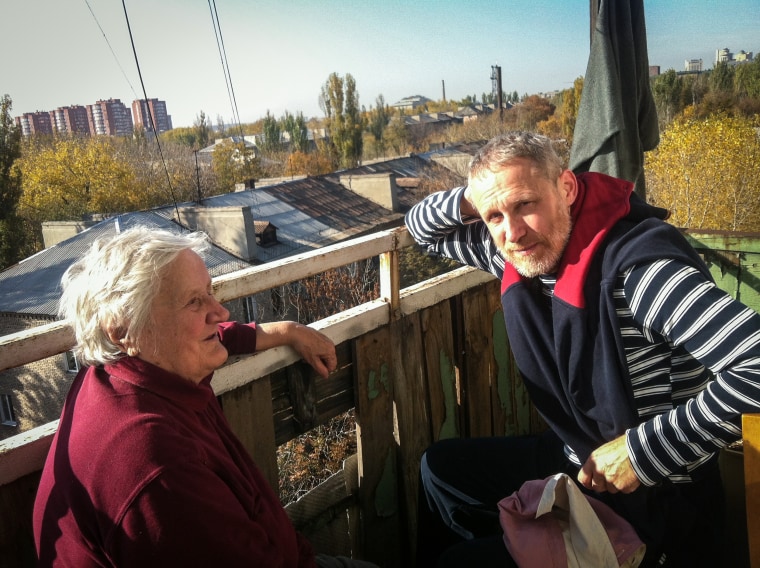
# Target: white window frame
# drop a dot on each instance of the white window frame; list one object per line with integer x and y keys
{"x": 7, "y": 415}
{"x": 72, "y": 365}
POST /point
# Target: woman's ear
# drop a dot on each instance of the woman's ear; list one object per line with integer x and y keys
{"x": 118, "y": 336}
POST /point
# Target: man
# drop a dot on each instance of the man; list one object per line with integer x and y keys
{"x": 639, "y": 364}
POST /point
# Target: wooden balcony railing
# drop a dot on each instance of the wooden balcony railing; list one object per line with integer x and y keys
{"x": 416, "y": 364}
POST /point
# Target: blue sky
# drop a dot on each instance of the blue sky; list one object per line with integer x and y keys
{"x": 280, "y": 52}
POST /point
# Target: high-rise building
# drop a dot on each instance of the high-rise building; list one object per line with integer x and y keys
{"x": 71, "y": 119}
{"x": 143, "y": 109}
{"x": 35, "y": 123}
{"x": 110, "y": 117}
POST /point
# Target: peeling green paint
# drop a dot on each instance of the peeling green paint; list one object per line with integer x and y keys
{"x": 502, "y": 356}
{"x": 449, "y": 387}
{"x": 386, "y": 498}
{"x": 373, "y": 385}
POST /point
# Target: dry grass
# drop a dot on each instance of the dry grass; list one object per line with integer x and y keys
{"x": 308, "y": 460}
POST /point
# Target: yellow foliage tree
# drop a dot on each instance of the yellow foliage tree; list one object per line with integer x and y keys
{"x": 706, "y": 173}
{"x": 74, "y": 177}
{"x": 310, "y": 164}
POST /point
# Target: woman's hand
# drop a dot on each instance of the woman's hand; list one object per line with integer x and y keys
{"x": 314, "y": 347}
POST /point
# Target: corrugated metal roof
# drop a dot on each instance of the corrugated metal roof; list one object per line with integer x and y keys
{"x": 308, "y": 213}
{"x": 33, "y": 285}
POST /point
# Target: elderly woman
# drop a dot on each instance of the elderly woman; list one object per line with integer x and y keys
{"x": 144, "y": 469}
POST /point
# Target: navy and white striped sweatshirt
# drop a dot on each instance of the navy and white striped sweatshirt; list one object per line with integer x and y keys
{"x": 689, "y": 353}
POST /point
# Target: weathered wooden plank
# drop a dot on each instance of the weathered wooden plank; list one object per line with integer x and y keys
{"x": 250, "y": 281}
{"x": 249, "y": 412}
{"x": 378, "y": 469}
{"x": 26, "y": 452}
{"x": 34, "y": 344}
{"x": 442, "y": 373}
{"x": 412, "y": 417}
{"x": 480, "y": 366}
{"x": 322, "y": 515}
{"x": 751, "y": 436}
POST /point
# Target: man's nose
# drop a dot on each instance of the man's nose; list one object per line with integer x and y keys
{"x": 514, "y": 229}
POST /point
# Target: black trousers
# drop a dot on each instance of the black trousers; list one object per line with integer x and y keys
{"x": 462, "y": 480}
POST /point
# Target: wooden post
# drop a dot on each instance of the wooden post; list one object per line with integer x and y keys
{"x": 751, "y": 435}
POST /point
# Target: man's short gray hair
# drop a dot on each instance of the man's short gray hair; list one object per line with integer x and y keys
{"x": 502, "y": 149}
{"x": 113, "y": 286}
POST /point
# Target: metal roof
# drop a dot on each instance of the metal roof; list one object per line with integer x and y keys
{"x": 309, "y": 213}
{"x": 33, "y": 285}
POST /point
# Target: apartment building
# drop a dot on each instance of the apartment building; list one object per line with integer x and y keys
{"x": 143, "y": 109}
{"x": 110, "y": 117}
{"x": 105, "y": 117}
{"x": 71, "y": 119}
{"x": 35, "y": 123}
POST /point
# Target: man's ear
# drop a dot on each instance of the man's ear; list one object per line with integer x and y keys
{"x": 568, "y": 186}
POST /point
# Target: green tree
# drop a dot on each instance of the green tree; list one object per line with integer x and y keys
{"x": 272, "y": 135}
{"x": 340, "y": 103}
{"x": 295, "y": 126}
{"x": 379, "y": 117}
{"x": 747, "y": 79}
{"x": 722, "y": 77}
{"x": 11, "y": 225}
{"x": 233, "y": 162}
{"x": 202, "y": 130}
{"x": 705, "y": 172}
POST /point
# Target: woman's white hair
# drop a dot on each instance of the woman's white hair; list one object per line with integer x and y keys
{"x": 113, "y": 286}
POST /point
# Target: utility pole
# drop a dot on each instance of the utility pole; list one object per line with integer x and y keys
{"x": 197, "y": 177}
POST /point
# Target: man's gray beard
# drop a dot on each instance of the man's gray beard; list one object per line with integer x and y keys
{"x": 544, "y": 266}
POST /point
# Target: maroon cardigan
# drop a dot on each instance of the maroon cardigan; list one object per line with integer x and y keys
{"x": 145, "y": 471}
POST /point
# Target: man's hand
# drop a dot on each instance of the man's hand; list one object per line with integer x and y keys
{"x": 609, "y": 468}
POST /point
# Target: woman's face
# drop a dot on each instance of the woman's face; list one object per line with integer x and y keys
{"x": 182, "y": 335}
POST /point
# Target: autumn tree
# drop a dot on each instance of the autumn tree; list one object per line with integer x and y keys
{"x": 311, "y": 164}
{"x": 339, "y": 101}
{"x": 13, "y": 244}
{"x": 561, "y": 124}
{"x": 705, "y": 172}
{"x": 79, "y": 176}
{"x": 232, "y": 163}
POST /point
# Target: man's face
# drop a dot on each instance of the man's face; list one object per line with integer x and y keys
{"x": 527, "y": 215}
{"x": 183, "y": 337}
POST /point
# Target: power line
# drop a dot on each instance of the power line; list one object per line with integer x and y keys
{"x": 150, "y": 112}
{"x": 225, "y": 65}
{"x": 111, "y": 48}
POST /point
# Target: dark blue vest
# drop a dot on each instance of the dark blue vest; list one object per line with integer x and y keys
{"x": 569, "y": 348}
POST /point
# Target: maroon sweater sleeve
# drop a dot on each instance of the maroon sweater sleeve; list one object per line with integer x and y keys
{"x": 238, "y": 338}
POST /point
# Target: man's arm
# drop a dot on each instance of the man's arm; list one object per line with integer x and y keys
{"x": 447, "y": 224}
{"x": 675, "y": 301}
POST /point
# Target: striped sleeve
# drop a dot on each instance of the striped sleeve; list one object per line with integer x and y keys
{"x": 436, "y": 223}
{"x": 672, "y": 300}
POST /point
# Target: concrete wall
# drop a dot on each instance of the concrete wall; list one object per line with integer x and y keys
{"x": 230, "y": 228}
{"x": 378, "y": 188}
{"x": 53, "y": 232}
